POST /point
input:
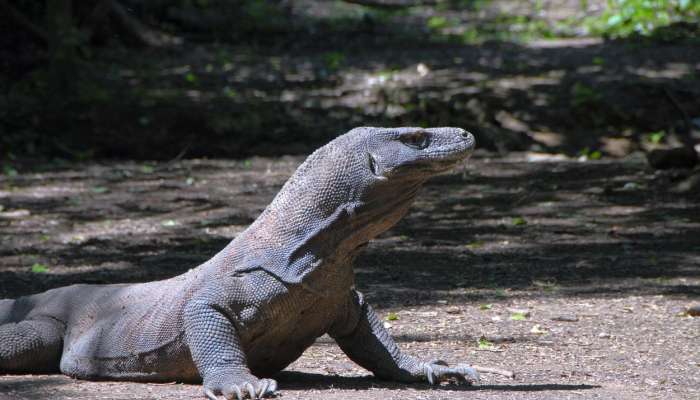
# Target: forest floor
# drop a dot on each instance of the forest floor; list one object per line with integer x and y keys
{"x": 575, "y": 275}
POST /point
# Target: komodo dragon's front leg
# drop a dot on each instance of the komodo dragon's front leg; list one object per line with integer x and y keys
{"x": 216, "y": 347}
{"x": 362, "y": 336}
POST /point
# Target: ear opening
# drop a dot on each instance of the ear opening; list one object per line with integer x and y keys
{"x": 373, "y": 164}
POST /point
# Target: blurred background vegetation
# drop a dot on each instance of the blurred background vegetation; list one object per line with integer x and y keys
{"x": 191, "y": 78}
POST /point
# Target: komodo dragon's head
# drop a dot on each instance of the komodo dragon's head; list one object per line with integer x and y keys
{"x": 363, "y": 182}
{"x": 346, "y": 193}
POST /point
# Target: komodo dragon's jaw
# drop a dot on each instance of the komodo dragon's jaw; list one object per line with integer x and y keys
{"x": 422, "y": 153}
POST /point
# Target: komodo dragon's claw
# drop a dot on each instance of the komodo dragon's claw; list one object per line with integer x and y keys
{"x": 438, "y": 370}
{"x": 245, "y": 390}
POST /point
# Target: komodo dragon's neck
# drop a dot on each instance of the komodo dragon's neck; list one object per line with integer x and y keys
{"x": 291, "y": 244}
{"x": 316, "y": 218}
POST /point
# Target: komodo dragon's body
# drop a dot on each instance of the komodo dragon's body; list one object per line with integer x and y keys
{"x": 255, "y": 306}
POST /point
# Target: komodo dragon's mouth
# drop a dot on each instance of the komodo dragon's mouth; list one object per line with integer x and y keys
{"x": 437, "y": 160}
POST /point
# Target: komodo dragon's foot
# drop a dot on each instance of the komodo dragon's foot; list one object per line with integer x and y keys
{"x": 437, "y": 370}
{"x": 240, "y": 387}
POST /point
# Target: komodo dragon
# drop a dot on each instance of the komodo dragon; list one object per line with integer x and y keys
{"x": 254, "y": 307}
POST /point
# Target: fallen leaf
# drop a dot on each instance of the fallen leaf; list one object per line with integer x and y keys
{"x": 392, "y": 316}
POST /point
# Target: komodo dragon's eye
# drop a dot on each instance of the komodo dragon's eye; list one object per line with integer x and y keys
{"x": 417, "y": 140}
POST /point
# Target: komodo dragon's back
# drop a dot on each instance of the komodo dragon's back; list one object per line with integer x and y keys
{"x": 253, "y": 308}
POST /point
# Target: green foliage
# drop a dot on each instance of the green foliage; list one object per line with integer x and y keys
{"x": 623, "y": 18}
{"x": 392, "y": 317}
{"x": 144, "y": 120}
{"x": 191, "y": 78}
{"x": 485, "y": 306}
{"x": 99, "y": 190}
{"x": 485, "y": 344}
{"x": 472, "y": 5}
{"x": 39, "y": 268}
{"x": 9, "y": 171}
{"x": 518, "y": 316}
{"x": 229, "y": 92}
{"x": 475, "y": 245}
{"x": 333, "y": 60}
{"x": 656, "y": 137}
{"x": 519, "y": 221}
{"x": 583, "y": 95}
{"x": 502, "y": 27}
{"x": 589, "y": 154}
{"x": 437, "y": 23}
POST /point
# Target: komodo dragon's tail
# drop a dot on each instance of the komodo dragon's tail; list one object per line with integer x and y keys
{"x": 27, "y": 346}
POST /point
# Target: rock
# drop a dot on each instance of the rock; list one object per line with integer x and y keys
{"x": 549, "y": 139}
{"x": 422, "y": 70}
{"x": 453, "y": 310}
{"x": 545, "y": 157}
{"x": 696, "y": 122}
{"x": 14, "y": 214}
{"x": 630, "y": 186}
{"x": 693, "y": 310}
{"x": 690, "y": 184}
{"x": 678, "y": 157}
{"x": 511, "y": 122}
{"x": 617, "y": 147}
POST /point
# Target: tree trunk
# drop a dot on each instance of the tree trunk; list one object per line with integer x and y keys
{"x": 63, "y": 40}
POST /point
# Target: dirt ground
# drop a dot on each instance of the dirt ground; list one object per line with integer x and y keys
{"x": 575, "y": 275}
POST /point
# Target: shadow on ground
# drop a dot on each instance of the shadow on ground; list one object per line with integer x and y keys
{"x": 305, "y": 381}
{"x": 534, "y": 228}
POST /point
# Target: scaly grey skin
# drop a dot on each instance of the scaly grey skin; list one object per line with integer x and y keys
{"x": 254, "y": 307}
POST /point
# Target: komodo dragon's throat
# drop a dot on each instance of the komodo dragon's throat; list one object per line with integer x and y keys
{"x": 254, "y": 307}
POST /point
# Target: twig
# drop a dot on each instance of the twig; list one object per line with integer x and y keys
{"x": 393, "y": 4}
{"x": 175, "y": 159}
{"x": 24, "y": 22}
{"x": 137, "y": 32}
{"x": 497, "y": 371}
